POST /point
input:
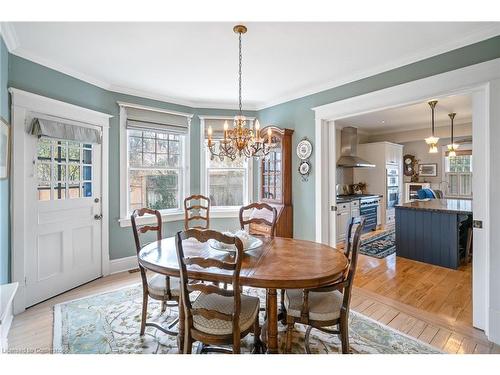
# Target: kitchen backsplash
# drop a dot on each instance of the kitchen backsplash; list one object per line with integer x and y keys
{"x": 344, "y": 176}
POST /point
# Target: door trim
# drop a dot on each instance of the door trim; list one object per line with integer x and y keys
{"x": 22, "y": 104}
{"x": 483, "y": 82}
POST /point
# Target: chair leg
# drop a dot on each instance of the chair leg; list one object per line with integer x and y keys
{"x": 188, "y": 343}
{"x": 344, "y": 334}
{"x": 289, "y": 332}
{"x": 144, "y": 313}
{"x": 163, "y": 306}
{"x": 257, "y": 344}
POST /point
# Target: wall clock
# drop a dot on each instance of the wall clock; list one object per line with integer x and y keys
{"x": 408, "y": 165}
{"x": 304, "y": 149}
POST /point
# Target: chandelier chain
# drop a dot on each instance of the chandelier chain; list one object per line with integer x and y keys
{"x": 239, "y": 76}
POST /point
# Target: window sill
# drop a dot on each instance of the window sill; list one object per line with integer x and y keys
{"x": 215, "y": 213}
{"x": 151, "y": 219}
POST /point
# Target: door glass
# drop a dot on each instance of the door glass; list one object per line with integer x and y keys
{"x": 64, "y": 169}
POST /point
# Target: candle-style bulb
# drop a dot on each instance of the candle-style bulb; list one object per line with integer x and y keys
{"x": 226, "y": 125}
{"x": 269, "y": 135}
{"x": 257, "y": 126}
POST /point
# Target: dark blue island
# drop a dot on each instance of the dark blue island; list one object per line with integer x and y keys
{"x": 433, "y": 231}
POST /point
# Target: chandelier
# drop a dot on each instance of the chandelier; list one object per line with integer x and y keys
{"x": 432, "y": 140}
{"x": 239, "y": 140}
{"x": 452, "y": 147}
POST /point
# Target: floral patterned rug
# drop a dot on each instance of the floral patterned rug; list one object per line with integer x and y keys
{"x": 379, "y": 246}
{"x": 110, "y": 323}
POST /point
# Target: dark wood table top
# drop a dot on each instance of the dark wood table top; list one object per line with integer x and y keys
{"x": 458, "y": 206}
{"x": 278, "y": 263}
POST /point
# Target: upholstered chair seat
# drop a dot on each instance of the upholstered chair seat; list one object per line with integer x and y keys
{"x": 158, "y": 285}
{"x": 248, "y": 313}
{"x": 323, "y": 306}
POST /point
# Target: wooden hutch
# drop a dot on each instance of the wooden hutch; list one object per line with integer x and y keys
{"x": 275, "y": 185}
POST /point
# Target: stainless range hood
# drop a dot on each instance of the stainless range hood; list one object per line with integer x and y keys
{"x": 349, "y": 149}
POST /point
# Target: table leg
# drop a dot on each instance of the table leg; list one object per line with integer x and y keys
{"x": 272, "y": 321}
{"x": 182, "y": 323}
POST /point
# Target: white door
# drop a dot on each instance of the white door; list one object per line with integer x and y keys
{"x": 63, "y": 225}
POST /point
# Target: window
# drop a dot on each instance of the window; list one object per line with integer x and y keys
{"x": 154, "y": 157}
{"x": 155, "y": 169}
{"x": 458, "y": 173}
{"x": 227, "y": 183}
{"x": 64, "y": 169}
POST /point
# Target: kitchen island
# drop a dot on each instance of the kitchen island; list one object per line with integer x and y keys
{"x": 433, "y": 231}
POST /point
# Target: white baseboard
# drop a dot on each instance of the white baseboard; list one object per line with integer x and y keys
{"x": 123, "y": 264}
{"x": 7, "y": 293}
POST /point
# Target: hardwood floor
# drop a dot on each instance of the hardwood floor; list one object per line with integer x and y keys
{"x": 32, "y": 330}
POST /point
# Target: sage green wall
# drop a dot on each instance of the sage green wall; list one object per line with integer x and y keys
{"x": 4, "y": 184}
{"x": 297, "y": 114}
{"x": 29, "y": 76}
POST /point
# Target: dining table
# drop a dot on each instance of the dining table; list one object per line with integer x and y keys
{"x": 279, "y": 263}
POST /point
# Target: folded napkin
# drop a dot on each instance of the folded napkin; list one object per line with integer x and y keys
{"x": 245, "y": 238}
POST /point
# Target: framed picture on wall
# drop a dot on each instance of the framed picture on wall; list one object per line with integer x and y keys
{"x": 427, "y": 170}
{"x": 4, "y": 148}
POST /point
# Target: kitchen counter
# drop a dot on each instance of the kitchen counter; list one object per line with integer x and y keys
{"x": 354, "y": 197}
{"x": 455, "y": 206}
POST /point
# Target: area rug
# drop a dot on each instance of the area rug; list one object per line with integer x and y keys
{"x": 110, "y": 323}
{"x": 380, "y": 245}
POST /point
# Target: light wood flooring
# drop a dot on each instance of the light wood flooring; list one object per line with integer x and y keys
{"x": 32, "y": 330}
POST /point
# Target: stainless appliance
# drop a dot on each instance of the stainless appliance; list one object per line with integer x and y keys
{"x": 392, "y": 187}
{"x": 349, "y": 148}
{"x": 392, "y": 196}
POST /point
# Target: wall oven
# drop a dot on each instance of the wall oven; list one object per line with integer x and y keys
{"x": 392, "y": 176}
{"x": 392, "y": 196}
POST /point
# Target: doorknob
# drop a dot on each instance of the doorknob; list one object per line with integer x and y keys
{"x": 98, "y": 217}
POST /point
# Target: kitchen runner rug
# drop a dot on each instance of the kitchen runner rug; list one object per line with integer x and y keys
{"x": 110, "y": 323}
{"x": 379, "y": 246}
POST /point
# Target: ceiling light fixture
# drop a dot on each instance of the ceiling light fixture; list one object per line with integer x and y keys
{"x": 432, "y": 140}
{"x": 239, "y": 140}
{"x": 452, "y": 147}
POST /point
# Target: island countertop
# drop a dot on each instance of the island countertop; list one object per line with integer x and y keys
{"x": 458, "y": 206}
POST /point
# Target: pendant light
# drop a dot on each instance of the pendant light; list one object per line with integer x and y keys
{"x": 432, "y": 140}
{"x": 452, "y": 147}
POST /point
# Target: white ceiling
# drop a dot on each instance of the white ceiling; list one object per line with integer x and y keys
{"x": 196, "y": 63}
{"x": 416, "y": 116}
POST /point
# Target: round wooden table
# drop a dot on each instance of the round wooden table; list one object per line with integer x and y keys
{"x": 280, "y": 263}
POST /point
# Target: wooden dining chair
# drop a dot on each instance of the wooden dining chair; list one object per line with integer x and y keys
{"x": 265, "y": 216}
{"x": 196, "y": 208}
{"x": 262, "y": 214}
{"x": 324, "y": 307}
{"x": 217, "y": 316}
{"x": 159, "y": 287}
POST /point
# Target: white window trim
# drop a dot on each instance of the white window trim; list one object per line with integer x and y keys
{"x": 221, "y": 211}
{"x": 171, "y": 215}
{"x": 444, "y": 149}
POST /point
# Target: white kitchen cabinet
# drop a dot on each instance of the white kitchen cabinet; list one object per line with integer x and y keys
{"x": 343, "y": 218}
{"x": 381, "y": 154}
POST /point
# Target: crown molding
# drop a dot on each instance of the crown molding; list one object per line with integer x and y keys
{"x": 9, "y": 36}
{"x": 14, "y": 47}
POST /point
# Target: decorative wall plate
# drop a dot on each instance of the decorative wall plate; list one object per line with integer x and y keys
{"x": 304, "y": 168}
{"x": 304, "y": 149}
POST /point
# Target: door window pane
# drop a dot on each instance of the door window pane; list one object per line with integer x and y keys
{"x": 61, "y": 162}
